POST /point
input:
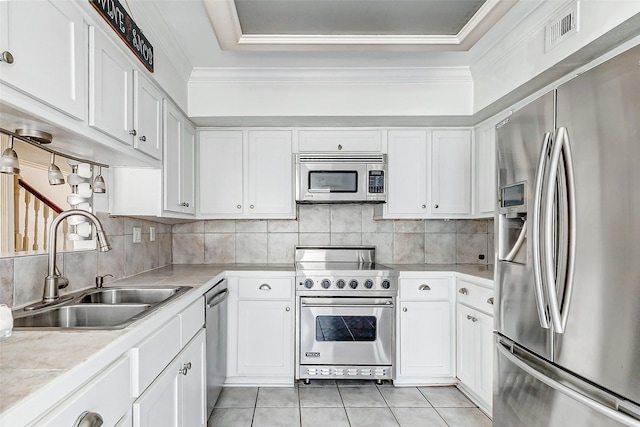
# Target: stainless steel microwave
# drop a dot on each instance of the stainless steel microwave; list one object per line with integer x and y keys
{"x": 329, "y": 178}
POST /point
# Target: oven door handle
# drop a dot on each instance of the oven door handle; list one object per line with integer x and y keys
{"x": 311, "y": 303}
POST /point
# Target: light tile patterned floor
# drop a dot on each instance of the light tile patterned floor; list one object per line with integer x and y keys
{"x": 345, "y": 403}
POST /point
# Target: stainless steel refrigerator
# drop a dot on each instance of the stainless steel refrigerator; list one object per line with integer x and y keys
{"x": 568, "y": 264}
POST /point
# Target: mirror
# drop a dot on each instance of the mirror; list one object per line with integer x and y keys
{"x": 29, "y": 203}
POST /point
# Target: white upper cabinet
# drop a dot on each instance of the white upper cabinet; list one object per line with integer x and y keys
{"x": 147, "y": 118}
{"x": 46, "y": 41}
{"x": 246, "y": 174}
{"x": 429, "y": 174}
{"x": 348, "y": 140}
{"x": 451, "y": 172}
{"x": 179, "y": 142}
{"x": 122, "y": 102}
{"x": 407, "y": 173}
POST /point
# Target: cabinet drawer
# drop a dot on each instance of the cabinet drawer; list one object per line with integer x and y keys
{"x": 475, "y": 296}
{"x": 425, "y": 289}
{"x": 155, "y": 353}
{"x": 191, "y": 321}
{"x": 108, "y": 395}
{"x": 274, "y": 288}
{"x": 340, "y": 141}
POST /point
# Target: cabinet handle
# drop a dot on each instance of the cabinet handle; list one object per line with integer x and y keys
{"x": 265, "y": 287}
{"x": 437, "y": 206}
{"x": 239, "y": 206}
{"x": 473, "y": 319}
{"x": 339, "y": 146}
{"x": 464, "y": 291}
{"x": 143, "y": 138}
{"x": 251, "y": 206}
{"x": 183, "y": 370}
{"x": 6, "y": 57}
{"x": 188, "y": 365}
{"x": 287, "y": 309}
{"x": 424, "y": 288}
{"x": 490, "y": 301}
{"x": 133, "y": 132}
{"x": 89, "y": 419}
{"x": 404, "y": 309}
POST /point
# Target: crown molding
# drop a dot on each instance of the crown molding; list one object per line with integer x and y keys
{"x": 282, "y": 75}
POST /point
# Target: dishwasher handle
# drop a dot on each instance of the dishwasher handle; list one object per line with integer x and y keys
{"x": 217, "y": 299}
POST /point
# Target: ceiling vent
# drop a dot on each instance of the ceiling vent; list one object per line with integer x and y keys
{"x": 561, "y": 26}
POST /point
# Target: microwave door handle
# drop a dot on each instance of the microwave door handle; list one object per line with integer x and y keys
{"x": 535, "y": 232}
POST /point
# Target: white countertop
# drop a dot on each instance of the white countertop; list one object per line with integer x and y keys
{"x": 38, "y": 368}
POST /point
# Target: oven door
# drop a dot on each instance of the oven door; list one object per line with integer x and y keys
{"x": 346, "y": 331}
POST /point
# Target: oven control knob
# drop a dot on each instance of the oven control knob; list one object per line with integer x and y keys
{"x": 386, "y": 284}
{"x": 353, "y": 284}
{"x": 340, "y": 283}
{"x": 325, "y": 283}
{"x": 308, "y": 283}
{"x": 368, "y": 283}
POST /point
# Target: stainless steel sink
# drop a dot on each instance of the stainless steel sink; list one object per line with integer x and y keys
{"x": 129, "y": 295}
{"x": 99, "y": 308}
{"x": 103, "y": 316}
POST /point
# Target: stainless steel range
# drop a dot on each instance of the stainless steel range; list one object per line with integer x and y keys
{"x": 345, "y": 314}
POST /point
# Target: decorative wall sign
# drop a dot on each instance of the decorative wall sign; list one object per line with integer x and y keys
{"x": 116, "y": 15}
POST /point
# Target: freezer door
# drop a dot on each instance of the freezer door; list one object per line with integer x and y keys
{"x": 519, "y": 144}
{"x": 600, "y": 110}
{"x": 531, "y": 392}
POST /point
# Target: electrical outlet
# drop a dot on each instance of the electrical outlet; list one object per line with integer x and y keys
{"x": 137, "y": 235}
{"x": 152, "y": 234}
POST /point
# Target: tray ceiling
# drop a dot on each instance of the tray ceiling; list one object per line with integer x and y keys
{"x": 353, "y": 24}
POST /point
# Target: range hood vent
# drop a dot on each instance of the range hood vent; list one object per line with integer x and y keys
{"x": 561, "y": 27}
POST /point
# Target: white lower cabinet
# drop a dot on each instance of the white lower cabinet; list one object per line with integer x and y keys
{"x": 475, "y": 342}
{"x": 260, "y": 331}
{"x": 177, "y": 396}
{"x": 425, "y": 331}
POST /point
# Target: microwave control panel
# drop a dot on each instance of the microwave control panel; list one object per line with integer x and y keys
{"x": 376, "y": 181}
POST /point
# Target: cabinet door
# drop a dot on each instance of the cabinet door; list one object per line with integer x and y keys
{"x": 220, "y": 173}
{"x": 466, "y": 340}
{"x": 193, "y": 400}
{"x": 187, "y": 167}
{"x": 147, "y": 117}
{"x": 46, "y": 39}
{"x": 265, "y": 338}
{"x": 160, "y": 404}
{"x": 485, "y": 188}
{"x": 407, "y": 173}
{"x": 270, "y": 173}
{"x": 451, "y": 172}
{"x": 110, "y": 88}
{"x": 484, "y": 339}
{"x": 425, "y": 339}
{"x": 173, "y": 158}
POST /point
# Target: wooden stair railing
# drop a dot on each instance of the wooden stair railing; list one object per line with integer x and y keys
{"x": 35, "y": 216}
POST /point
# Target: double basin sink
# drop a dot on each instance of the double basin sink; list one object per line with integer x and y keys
{"x": 99, "y": 308}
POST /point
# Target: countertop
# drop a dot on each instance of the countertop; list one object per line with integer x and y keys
{"x": 39, "y": 368}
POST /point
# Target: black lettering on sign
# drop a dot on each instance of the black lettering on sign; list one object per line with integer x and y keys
{"x": 119, "y": 19}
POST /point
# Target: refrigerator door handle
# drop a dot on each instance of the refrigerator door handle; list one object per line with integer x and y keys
{"x": 618, "y": 416}
{"x": 558, "y": 316}
{"x": 535, "y": 231}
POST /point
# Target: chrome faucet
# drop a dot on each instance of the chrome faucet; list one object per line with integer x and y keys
{"x": 54, "y": 280}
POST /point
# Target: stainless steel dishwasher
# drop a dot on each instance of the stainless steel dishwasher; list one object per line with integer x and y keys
{"x": 216, "y": 323}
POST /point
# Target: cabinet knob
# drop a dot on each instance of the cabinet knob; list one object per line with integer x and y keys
{"x": 265, "y": 287}
{"x": 133, "y": 132}
{"x": 185, "y": 204}
{"x": 339, "y": 146}
{"x": 490, "y": 301}
{"x": 188, "y": 365}
{"x": 251, "y": 206}
{"x": 143, "y": 138}
{"x": 424, "y": 288}
{"x": 239, "y": 206}
{"x": 473, "y": 319}
{"x": 404, "y": 309}
{"x": 437, "y": 206}
{"x": 183, "y": 370}
{"x": 424, "y": 206}
{"x": 288, "y": 309}
{"x": 89, "y": 419}
{"x": 464, "y": 291}
{"x": 6, "y": 57}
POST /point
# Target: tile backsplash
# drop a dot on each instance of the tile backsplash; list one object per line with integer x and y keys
{"x": 273, "y": 241}
{"x": 22, "y": 277}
